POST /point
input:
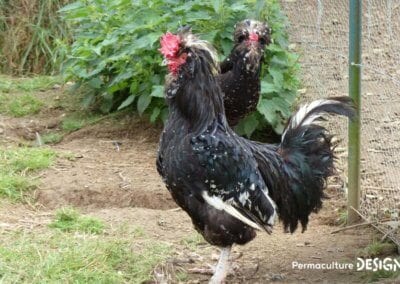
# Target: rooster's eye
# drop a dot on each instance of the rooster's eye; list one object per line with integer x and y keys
{"x": 241, "y": 38}
{"x": 262, "y": 40}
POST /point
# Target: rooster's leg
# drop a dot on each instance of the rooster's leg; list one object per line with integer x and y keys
{"x": 222, "y": 267}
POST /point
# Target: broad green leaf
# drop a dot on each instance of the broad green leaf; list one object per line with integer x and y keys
{"x": 97, "y": 49}
{"x": 280, "y": 127}
{"x": 146, "y": 41}
{"x": 155, "y": 113}
{"x": 280, "y": 59}
{"x": 265, "y": 108}
{"x": 88, "y": 99}
{"x": 210, "y": 36}
{"x": 289, "y": 96}
{"x": 143, "y": 102}
{"x": 72, "y": 6}
{"x": 276, "y": 75}
{"x": 238, "y": 7}
{"x": 217, "y": 5}
{"x": 226, "y": 46}
{"x": 109, "y": 41}
{"x": 100, "y": 67}
{"x": 95, "y": 83}
{"x": 281, "y": 105}
{"x": 117, "y": 87}
{"x": 275, "y": 48}
{"x": 164, "y": 114}
{"x": 123, "y": 76}
{"x": 250, "y": 124}
{"x": 129, "y": 100}
{"x": 80, "y": 73}
{"x": 267, "y": 87}
{"x": 107, "y": 102}
{"x": 158, "y": 91}
{"x": 198, "y": 16}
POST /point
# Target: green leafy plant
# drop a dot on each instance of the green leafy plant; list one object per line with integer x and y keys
{"x": 114, "y": 57}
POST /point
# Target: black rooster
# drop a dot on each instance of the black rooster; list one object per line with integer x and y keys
{"x": 240, "y": 71}
{"x": 230, "y": 186}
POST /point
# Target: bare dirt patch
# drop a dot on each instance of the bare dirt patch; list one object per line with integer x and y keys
{"x": 111, "y": 164}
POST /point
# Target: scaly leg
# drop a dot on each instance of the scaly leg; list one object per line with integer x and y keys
{"x": 222, "y": 267}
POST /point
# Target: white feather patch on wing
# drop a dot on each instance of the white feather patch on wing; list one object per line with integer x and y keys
{"x": 303, "y": 111}
{"x": 219, "y": 204}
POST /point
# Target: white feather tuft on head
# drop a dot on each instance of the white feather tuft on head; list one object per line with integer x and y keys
{"x": 192, "y": 41}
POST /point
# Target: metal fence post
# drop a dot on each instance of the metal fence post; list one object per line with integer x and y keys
{"x": 355, "y": 17}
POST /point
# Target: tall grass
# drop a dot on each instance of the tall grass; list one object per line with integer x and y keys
{"x": 30, "y": 33}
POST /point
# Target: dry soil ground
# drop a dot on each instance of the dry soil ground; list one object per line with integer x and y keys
{"x": 111, "y": 174}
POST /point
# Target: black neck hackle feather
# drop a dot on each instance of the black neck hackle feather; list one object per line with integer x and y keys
{"x": 197, "y": 96}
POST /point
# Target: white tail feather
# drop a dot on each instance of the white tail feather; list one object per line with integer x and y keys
{"x": 299, "y": 117}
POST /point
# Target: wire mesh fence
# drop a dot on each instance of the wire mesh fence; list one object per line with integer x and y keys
{"x": 320, "y": 34}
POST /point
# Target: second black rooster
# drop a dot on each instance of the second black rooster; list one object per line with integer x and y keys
{"x": 240, "y": 71}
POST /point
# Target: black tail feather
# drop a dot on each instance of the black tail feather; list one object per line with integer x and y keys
{"x": 308, "y": 156}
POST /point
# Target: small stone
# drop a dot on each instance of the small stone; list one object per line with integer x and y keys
{"x": 302, "y": 91}
{"x": 377, "y": 50}
{"x": 277, "y": 277}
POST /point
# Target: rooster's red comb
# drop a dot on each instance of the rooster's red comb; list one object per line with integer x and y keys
{"x": 169, "y": 45}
